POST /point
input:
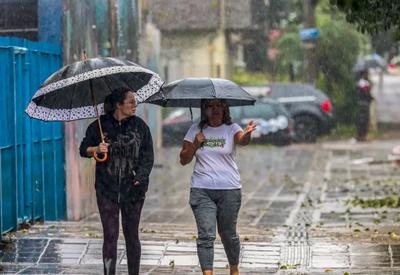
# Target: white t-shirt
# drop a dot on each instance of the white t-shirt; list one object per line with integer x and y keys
{"x": 215, "y": 166}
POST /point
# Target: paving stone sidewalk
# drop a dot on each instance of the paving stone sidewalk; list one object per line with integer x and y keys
{"x": 295, "y": 218}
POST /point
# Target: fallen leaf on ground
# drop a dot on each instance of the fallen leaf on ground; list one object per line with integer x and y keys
{"x": 394, "y": 236}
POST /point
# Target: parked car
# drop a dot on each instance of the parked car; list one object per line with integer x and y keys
{"x": 176, "y": 125}
{"x": 274, "y": 122}
{"x": 310, "y": 109}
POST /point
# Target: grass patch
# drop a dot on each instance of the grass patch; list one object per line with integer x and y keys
{"x": 288, "y": 266}
{"x": 341, "y": 131}
{"x": 249, "y": 78}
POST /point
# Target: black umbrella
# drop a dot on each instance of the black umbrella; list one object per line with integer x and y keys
{"x": 370, "y": 62}
{"x": 77, "y": 91}
{"x": 189, "y": 92}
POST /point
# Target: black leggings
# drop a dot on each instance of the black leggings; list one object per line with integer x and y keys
{"x": 109, "y": 214}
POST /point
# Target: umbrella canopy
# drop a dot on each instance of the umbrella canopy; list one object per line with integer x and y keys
{"x": 72, "y": 92}
{"x": 370, "y": 62}
{"x": 189, "y": 92}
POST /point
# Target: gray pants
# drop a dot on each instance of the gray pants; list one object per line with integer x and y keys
{"x": 216, "y": 207}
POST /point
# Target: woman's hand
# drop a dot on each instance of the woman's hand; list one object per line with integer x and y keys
{"x": 103, "y": 147}
{"x": 243, "y": 137}
{"x": 189, "y": 149}
{"x": 251, "y": 126}
{"x": 199, "y": 139}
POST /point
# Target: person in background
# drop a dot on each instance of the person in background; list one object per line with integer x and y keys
{"x": 364, "y": 99}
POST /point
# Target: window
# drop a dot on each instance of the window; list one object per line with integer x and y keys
{"x": 235, "y": 113}
{"x": 260, "y": 110}
{"x": 19, "y": 18}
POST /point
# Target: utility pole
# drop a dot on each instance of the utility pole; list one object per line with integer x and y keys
{"x": 226, "y": 65}
{"x": 113, "y": 27}
{"x": 310, "y": 60}
{"x": 134, "y": 29}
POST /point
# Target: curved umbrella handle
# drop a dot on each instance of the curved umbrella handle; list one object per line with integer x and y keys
{"x": 98, "y": 159}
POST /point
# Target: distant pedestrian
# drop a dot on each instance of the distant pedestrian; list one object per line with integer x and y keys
{"x": 364, "y": 99}
{"x": 122, "y": 180}
{"x": 215, "y": 194}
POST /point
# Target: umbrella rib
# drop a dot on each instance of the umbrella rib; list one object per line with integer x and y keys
{"x": 109, "y": 88}
{"x": 71, "y": 101}
{"x": 212, "y": 84}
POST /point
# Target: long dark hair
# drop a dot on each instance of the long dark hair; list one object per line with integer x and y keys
{"x": 117, "y": 96}
{"x": 226, "y": 117}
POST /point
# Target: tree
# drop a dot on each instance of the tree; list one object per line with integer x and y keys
{"x": 337, "y": 51}
{"x": 371, "y": 16}
{"x": 290, "y": 61}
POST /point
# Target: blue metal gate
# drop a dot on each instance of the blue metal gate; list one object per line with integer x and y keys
{"x": 32, "y": 178}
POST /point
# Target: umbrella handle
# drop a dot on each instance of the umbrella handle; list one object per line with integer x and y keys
{"x": 95, "y": 155}
{"x": 98, "y": 159}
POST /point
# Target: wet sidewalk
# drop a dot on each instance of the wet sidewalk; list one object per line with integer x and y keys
{"x": 315, "y": 209}
{"x": 83, "y": 256}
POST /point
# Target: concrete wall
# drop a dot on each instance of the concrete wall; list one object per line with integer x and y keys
{"x": 50, "y": 21}
{"x": 193, "y": 54}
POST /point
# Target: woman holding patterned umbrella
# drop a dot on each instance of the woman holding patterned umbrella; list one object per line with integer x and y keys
{"x": 122, "y": 180}
{"x": 120, "y": 142}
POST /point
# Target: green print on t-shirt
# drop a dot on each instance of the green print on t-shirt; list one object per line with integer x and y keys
{"x": 215, "y": 142}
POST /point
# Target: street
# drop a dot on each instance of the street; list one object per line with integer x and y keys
{"x": 305, "y": 210}
{"x": 387, "y": 98}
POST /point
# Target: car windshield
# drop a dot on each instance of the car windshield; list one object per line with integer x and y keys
{"x": 183, "y": 113}
{"x": 280, "y": 109}
{"x": 235, "y": 112}
{"x": 259, "y": 110}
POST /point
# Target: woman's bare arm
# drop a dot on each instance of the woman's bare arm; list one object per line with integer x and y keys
{"x": 187, "y": 152}
{"x": 189, "y": 148}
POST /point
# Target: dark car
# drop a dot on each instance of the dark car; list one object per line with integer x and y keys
{"x": 273, "y": 122}
{"x": 176, "y": 125}
{"x": 310, "y": 108}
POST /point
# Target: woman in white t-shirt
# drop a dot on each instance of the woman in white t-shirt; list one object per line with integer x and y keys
{"x": 215, "y": 194}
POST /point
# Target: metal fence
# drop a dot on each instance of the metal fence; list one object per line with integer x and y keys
{"x": 32, "y": 178}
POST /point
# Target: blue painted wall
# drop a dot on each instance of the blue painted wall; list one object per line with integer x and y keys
{"x": 32, "y": 178}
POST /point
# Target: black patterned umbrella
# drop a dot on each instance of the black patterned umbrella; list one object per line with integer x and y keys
{"x": 72, "y": 92}
{"x": 78, "y": 91}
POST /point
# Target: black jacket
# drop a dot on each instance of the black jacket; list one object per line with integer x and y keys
{"x": 130, "y": 158}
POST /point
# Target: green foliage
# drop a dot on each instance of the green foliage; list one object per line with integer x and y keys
{"x": 288, "y": 266}
{"x": 371, "y": 16}
{"x": 342, "y": 131}
{"x": 390, "y": 202}
{"x": 291, "y": 55}
{"x": 337, "y": 51}
{"x": 243, "y": 77}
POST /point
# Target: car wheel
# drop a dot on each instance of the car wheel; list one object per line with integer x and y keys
{"x": 305, "y": 129}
